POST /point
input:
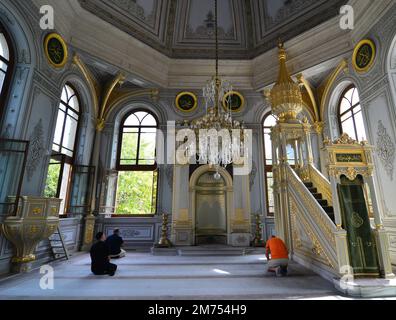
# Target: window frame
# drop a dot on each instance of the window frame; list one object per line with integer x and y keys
{"x": 63, "y": 158}
{"x": 267, "y": 168}
{"x": 70, "y": 160}
{"x": 4, "y": 93}
{"x": 350, "y": 109}
{"x": 136, "y": 167}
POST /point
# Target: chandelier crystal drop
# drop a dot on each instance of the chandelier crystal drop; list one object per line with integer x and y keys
{"x": 218, "y": 121}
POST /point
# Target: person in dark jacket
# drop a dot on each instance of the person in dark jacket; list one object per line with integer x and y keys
{"x": 114, "y": 243}
{"x": 100, "y": 253}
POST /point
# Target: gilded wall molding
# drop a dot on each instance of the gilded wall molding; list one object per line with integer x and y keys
{"x": 93, "y": 85}
{"x": 301, "y": 79}
{"x": 325, "y": 90}
{"x": 118, "y": 96}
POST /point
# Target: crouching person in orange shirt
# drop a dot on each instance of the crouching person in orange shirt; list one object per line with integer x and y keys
{"x": 279, "y": 260}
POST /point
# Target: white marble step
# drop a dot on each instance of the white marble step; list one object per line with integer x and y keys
{"x": 207, "y": 253}
{"x": 212, "y": 251}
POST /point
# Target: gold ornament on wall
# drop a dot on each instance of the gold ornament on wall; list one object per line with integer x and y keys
{"x": 233, "y": 100}
{"x": 364, "y": 55}
{"x": 186, "y": 102}
{"x": 55, "y": 49}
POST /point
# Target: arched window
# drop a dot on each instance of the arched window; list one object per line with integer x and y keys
{"x": 6, "y": 60}
{"x": 63, "y": 147}
{"x": 67, "y": 123}
{"x": 350, "y": 114}
{"x": 136, "y": 165}
{"x": 269, "y": 122}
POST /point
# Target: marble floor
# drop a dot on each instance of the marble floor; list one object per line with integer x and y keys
{"x": 143, "y": 276}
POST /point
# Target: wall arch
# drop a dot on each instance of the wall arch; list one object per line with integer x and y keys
{"x": 86, "y": 131}
{"x": 197, "y": 174}
{"x": 22, "y": 35}
{"x": 119, "y": 113}
{"x": 331, "y": 128}
{"x": 391, "y": 69}
{"x": 25, "y": 60}
{"x": 79, "y": 83}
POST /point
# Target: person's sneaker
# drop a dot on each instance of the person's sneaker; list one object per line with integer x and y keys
{"x": 278, "y": 272}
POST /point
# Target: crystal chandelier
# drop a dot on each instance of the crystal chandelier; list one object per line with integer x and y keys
{"x": 218, "y": 121}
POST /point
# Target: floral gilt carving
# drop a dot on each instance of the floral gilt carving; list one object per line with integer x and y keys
{"x": 385, "y": 149}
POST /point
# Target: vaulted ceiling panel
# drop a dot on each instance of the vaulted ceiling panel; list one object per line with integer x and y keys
{"x": 194, "y": 30}
{"x": 145, "y": 20}
{"x": 185, "y": 28}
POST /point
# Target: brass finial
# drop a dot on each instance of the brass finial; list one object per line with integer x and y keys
{"x": 282, "y": 51}
{"x": 286, "y": 97}
{"x": 284, "y": 76}
{"x": 280, "y": 43}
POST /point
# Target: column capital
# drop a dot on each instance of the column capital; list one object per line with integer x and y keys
{"x": 318, "y": 126}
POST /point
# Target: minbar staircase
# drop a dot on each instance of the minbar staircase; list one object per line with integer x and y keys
{"x": 319, "y": 197}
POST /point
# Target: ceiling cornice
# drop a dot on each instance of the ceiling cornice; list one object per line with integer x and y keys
{"x": 104, "y": 42}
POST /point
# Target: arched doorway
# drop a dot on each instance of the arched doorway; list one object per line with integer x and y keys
{"x": 211, "y": 204}
{"x": 210, "y": 210}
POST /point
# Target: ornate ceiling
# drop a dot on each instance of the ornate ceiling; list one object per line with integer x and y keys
{"x": 184, "y": 28}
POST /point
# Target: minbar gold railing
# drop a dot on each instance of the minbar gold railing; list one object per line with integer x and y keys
{"x": 321, "y": 183}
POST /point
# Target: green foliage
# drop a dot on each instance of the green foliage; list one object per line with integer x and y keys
{"x": 51, "y": 186}
{"x": 136, "y": 190}
{"x": 129, "y": 146}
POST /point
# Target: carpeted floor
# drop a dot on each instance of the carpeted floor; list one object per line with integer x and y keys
{"x": 143, "y": 276}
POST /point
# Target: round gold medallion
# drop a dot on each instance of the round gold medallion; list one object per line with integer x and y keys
{"x": 364, "y": 55}
{"x": 233, "y": 100}
{"x": 56, "y": 50}
{"x": 186, "y": 102}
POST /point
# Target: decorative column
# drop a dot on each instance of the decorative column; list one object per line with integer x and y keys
{"x": 308, "y": 141}
{"x": 287, "y": 103}
{"x": 318, "y": 129}
{"x": 183, "y": 207}
{"x": 341, "y": 234}
{"x": 89, "y": 218}
{"x": 89, "y": 229}
{"x": 380, "y": 233}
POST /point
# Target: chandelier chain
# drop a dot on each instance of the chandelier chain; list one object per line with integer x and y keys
{"x": 219, "y": 144}
{"x": 217, "y": 39}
